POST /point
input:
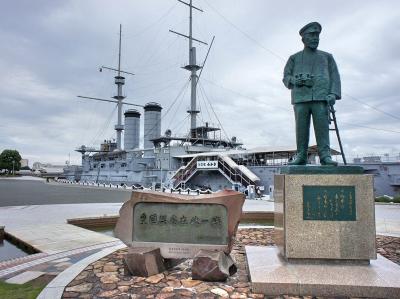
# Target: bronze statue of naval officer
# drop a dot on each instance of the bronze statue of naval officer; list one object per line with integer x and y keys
{"x": 314, "y": 81}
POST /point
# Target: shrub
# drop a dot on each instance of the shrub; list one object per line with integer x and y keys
{"x": 382, "y": 199}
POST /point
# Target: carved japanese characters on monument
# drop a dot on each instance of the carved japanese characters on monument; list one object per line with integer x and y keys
{"x": 180, "y": 223}
{"x": 314, "y": 81}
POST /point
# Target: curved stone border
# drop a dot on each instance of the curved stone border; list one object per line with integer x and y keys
{"x": 55, "y": 288}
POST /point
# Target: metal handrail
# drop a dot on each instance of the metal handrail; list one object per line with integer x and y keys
{"x": 234, "y": 174}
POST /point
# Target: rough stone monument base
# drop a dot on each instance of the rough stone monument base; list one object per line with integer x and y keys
{"x": 272, "y": 275}
{"x": 144, "y": 261}
{"x": 209, "y": 265}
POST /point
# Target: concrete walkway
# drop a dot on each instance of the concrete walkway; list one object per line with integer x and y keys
{"x": 45, "y": 227}
{"x": 29, "y": 216}
{"x": 56, "y": 238}
{"x": 387, "y": 217}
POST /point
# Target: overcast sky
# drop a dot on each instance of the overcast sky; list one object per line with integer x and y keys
{"x": 51, "y": 52}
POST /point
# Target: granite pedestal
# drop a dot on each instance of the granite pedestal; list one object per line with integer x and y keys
{"x": 325, "y": 237}
{"x": 324, "y": 216}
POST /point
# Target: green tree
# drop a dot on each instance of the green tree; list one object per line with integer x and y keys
{"x": 10, "y": 159}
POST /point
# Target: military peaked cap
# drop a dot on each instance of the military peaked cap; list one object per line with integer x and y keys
{"x": 311, "y": 27}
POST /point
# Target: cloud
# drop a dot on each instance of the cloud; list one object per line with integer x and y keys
{"x": 51, "y": 52}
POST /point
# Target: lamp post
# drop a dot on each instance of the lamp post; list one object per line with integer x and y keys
{"x": 161, "y": 186}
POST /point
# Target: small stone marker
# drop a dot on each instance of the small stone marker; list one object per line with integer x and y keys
{"x": 144, "y": 261}
{"x": 180, "y": 225}
{"x": 212, "y": 266}
{"x": 161, "y": 229}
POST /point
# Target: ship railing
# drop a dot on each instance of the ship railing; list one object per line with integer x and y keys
{"x": 190, "y": 191}
{"x": 178, "y": 190}
{"x": 185, "y": 172}
{"x": 235, "y": 173}
{"x": 185, "y": 175}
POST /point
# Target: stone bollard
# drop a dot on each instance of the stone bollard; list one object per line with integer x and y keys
{"x": 1, "y": 233}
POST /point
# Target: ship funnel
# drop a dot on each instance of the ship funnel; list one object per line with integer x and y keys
{"x": 132, "y": 129}
{"x": 152, "y": 123}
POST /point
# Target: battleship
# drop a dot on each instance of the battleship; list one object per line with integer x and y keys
{"x": 201, "y": 159}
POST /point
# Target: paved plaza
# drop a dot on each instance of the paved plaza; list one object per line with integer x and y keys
{"x": 42, "y": 222}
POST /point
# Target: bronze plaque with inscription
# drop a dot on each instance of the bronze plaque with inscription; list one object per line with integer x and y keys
{"x": 180, "y": 223}
{"x": 332, "y": 203}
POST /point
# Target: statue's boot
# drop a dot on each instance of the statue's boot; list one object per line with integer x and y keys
{"x": 302, "y": 113}
{"x": 300, "y": 160}
{"x": 328, "y": 161}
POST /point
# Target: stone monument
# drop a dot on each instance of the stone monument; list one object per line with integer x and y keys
{"x": 324, "y": 215}
{"x": 173, "y": 226}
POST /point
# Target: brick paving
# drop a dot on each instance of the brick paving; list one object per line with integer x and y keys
{"x": 105, "y": 278}
{"x": 53, "y": 264}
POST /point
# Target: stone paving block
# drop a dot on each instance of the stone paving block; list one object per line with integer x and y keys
{"x": 25, "y": 277}
{"x": 66, "y": 259}
{"x": 64, "y": 264}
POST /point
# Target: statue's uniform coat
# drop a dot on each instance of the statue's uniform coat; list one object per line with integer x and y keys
{"x": 323, "y": 68}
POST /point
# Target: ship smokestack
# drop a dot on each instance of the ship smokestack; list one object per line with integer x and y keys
{"x": 132, "y": 129}
{"x": 152, "y": 123}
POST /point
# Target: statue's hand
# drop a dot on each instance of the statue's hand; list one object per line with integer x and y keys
{"x": 298, "y": 81}
{"x": 331, "y": 99}
{"x": 309, "y": 82}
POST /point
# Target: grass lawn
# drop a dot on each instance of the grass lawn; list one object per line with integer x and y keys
{"x": 20, "y": 291}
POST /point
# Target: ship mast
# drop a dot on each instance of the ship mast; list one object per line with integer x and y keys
{"x": 193, "y": 68}
{"x": 119, "y": 81}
